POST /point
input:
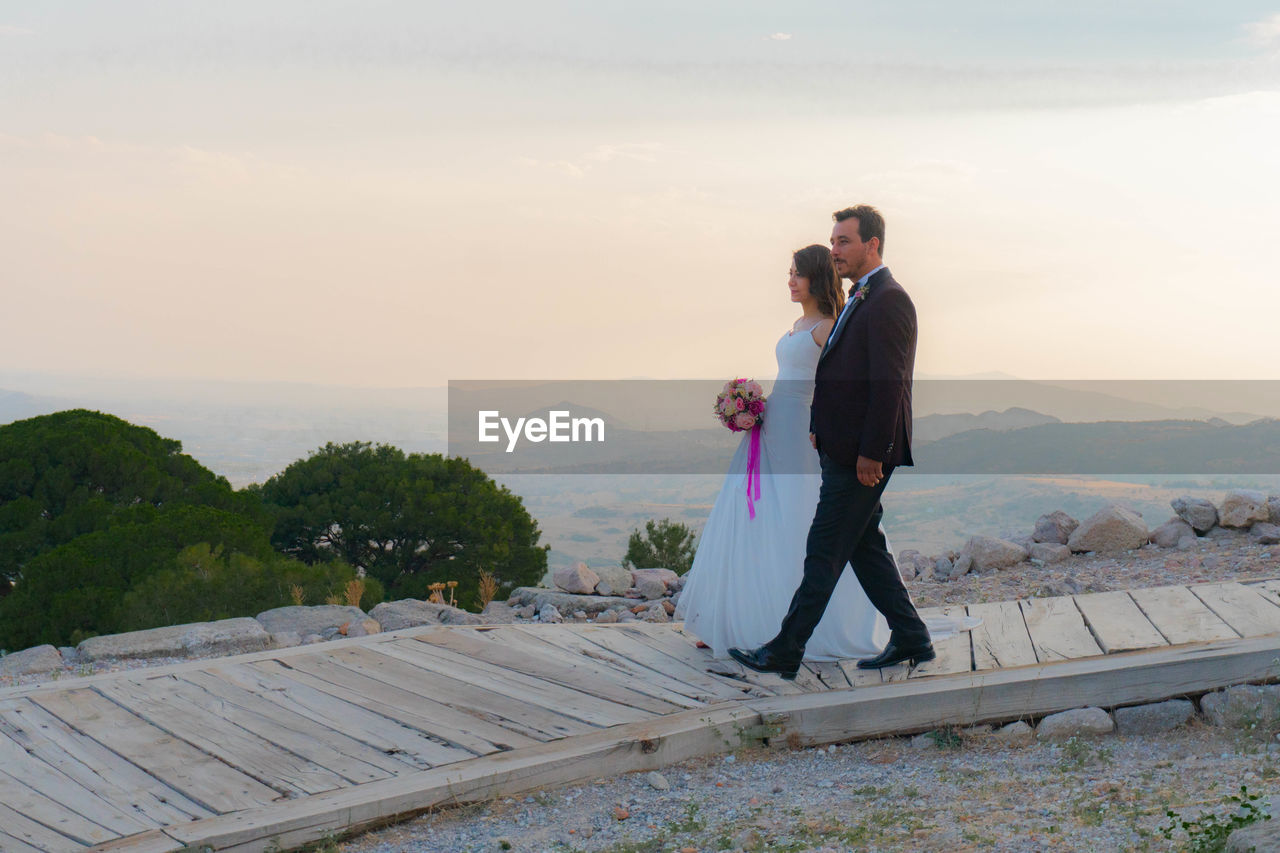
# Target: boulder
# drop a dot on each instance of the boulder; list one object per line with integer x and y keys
{"x": 650, "y": 587}
{"x": 565, "y": 602}
{"x": 1154, "y": 717}
{"x": 496, "y": 613}
{"x": 549, "y": 613}
{"x": 614, "y": 580}
{"x": 668, "y": 577}
{"x": 1049, "y": 552}
{"x": 1257, "y": 837}
{"x": 1273, "y": 509}
{"x": 1015, "y": 734}
{"x": 1265, "y": 533}
{"x": 942, "y": 567}
{"x": 1242, "y": 704}
{"x": 363, "y": 627}
{"x": 608, "y": 617}
{"x": 30, "y": 661}
{"x": 410, "y": 613}
{"x": 911, "y": 564}
{"x": 656, "y": 613}
{"x": 308, "y": 620}
{"x": 578, "y": 579}
{"x": 991, "y": 553}
{"x": 962, "y": 566}
{"x": 1201, "y": 514}
{"x": 1169, "y": 534}
{"x": 1055, "y": 527}
{"x": 1078, "y": 722}
{"x": 286, "y": 640}
{"x": 197, "y": 639}
{"x": 1112, "y": 528}
{"x": 1242, "y": 507}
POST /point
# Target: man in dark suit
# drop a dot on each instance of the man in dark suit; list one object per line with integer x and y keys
{"x": 860, "y": 423}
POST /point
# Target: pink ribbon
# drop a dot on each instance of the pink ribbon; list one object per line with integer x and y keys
{"x": 753, "y": 471}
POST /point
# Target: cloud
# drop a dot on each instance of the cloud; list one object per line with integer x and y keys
{"x": 780, "y": 36}
{"x": 1264, "y": 33}
{"x": 7, "y": 30}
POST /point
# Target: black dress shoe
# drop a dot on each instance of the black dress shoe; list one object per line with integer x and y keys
{"x": 895, "y": 654}
{"x": 763, "y": 660}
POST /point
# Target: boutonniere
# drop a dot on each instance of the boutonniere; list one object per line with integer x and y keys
{"x": 861, "y": 293}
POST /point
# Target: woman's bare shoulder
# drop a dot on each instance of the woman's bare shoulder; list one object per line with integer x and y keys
{"x": 822, "y": 331}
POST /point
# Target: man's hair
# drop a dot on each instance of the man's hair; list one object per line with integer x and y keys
{"x": 870, "y": 222}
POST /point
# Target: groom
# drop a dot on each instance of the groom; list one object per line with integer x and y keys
{"x": 860, "y": 423}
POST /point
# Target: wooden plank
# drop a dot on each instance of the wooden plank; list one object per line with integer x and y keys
{"x": 647, "y": 745}
{"x": 829, "y": 673}
{"x": 211, "y": 729}
{"x": 1117, "y": 623}
{"x": 1002, "y": 639}
{"x": 93, "y": 766}
{"x": 954, "y": 654}
{"x": 52, "y": 813}
{"x": 1241, "y": 607}
{"x": 23, "y": 769}
{"x": 1057, "y": 629}
{"x": 151, "y": 841}
{"x": 574, "y": 671}
{"x": 1180, "y": 616}
{"x": 647, "y": 681}
{"x": 207, "y": 781}
{"x": 531, "y": 690}
{"x": 530, "y": 719}
{"x": 1268, "y": 589}
{"x": 681, "y": 647}
{"x": 21, "y": 834}
{"x": 697, "y": 680}
{"x": 316, "y": 732}
{"x": 859, "y": 677}
{"x": 1023, "y": 692}
{"x": 473, "y": 732}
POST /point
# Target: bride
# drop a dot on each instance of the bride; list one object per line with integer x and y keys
{"x": 746, "y": 569}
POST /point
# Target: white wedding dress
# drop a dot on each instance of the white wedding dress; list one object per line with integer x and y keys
{"x": 746, "y": 569}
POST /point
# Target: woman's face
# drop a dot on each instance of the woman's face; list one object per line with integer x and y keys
{"x": 798, "y": 284}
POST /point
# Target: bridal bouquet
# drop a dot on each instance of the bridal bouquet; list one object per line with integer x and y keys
{"x": 740, "y": 405}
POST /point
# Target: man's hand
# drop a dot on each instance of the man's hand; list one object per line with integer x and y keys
{"x": 813, "y": 439}
{"x": 870, "y": 472}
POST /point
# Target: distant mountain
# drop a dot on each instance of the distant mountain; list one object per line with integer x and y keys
{"x": 934, "y": 427}
{"x": 18, "y": 406}
{"x": 1109, "y": 447}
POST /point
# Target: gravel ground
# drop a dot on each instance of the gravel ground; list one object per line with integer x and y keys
{"x": 930, "y": 793}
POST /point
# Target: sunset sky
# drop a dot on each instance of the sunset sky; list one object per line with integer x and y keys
{"x": 404, "y": 193}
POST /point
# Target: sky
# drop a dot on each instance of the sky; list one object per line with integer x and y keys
{"x": 392, "y": 194}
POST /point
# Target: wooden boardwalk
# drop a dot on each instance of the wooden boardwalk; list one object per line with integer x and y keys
{"x": 277, "y": 749}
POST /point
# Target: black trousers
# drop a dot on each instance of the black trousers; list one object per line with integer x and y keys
{"x": 846, "y": 530}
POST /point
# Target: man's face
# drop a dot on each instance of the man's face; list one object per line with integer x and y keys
{"x": 853, "y": 258}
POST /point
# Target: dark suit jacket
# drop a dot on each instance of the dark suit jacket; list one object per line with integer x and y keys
{"x": 862, "y": 389}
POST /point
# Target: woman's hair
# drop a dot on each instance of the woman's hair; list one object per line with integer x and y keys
{"x": 814, "y": 263}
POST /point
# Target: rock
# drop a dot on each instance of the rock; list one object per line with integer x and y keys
{"x": 1186, "y": 543}
{"x": 910, "y": 563}
{"x": 1260, "y": 837}
{"x": 962, "y": 566}
{"x": 1169, "y": 534}
{"x": 527, "y": 612}
{"x": 410, "y": 613}
{"x": 578, "y": 579}
{"x": 667, "y": 576}
{"x": 650, "y": 588}
{"x": 942, "y": 568}
{"x": 496, "y": 613}
{"x": 309, "y": 620}
{"x": 1273, "y": 509}
{"x": 1241, "y": 704}
{"x": 617, "y": 579}
{"x": 1014, "y": 734}
{"x": 312, "y": 639}
{"x": 70, "y": 656}
{"x": 1265, "y": 533}
{"x": 924, "y": 741}
{"x": 608, "y": 617}
{"x": 1078, "y": 722}
{"x": 30, "y": 661}
{"x": 197, "y": 639}
{"x": 1110, "y": 529}
{"x": 657, "y": 781}
{"x": 656, "y": 613}
{"x": 1055, "y": 527}
{"x": 286, "y": 640}
{"x": 549, "y": 613}
{"x": 1049, "y": 552}
{"x": 1201, "y": 514}
{"x": 669, "y": 606}
{"x": 1242, "y": 507}
{"x": 1154, "y": 718}
{"x": 620, "y": 813}
{"x": 626, "y": 616}
{"x": 991, "y": 553}
{"x": 565, "y": 602}
{"x": 363, "y": 627}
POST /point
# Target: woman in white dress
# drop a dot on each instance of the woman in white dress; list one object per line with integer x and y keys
{"x": 746, "y": 569}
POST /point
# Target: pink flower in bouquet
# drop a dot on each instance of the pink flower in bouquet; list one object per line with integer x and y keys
{"x": 728, "y": 408}
{"x": 754, "y": 389}
{"x": 739, "y": 403}
{"x": 755, "y": 407}
{"x": 744, "y": 420}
